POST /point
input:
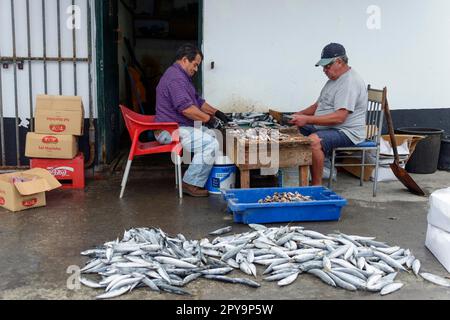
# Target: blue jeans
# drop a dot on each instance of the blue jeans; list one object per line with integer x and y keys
{"x": 205, "y": 147}
{"x": 331, "y": 138}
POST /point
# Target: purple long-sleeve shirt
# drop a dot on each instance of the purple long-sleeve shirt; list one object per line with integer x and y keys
{"x": 174, "y": 94}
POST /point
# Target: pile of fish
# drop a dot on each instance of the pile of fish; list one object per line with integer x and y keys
{"x": 285, "y": 197}
{"x": 254, "y": 120}
{"x": 148, "y": 257}
{"x": 258, "y": 135}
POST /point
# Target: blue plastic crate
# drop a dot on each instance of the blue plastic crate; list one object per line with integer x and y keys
{"x": 243, "y": 203}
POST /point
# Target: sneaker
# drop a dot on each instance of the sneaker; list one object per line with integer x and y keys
{"x": 194, "y": 191}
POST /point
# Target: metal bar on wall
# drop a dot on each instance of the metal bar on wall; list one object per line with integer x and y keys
{"x": 58, "y": 15}
{"x": 2, "y": 123}
{"x": 30, "y": 72}
{"x": 74, "y": 42}
{"x": 91, "y": 159}
{"x": 16, "y": 101}
{"x": 89, "y": 39}
{"x": 44, "y": 43}
{"x": 48, "y": 59}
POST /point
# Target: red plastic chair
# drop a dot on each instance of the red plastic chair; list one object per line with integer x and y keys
{"x": 137, "y": 124}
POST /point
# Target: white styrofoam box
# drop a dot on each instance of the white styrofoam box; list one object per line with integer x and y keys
{"x": 439, "y": 209}
{"x": 438, "y": 241}
{"x": 386, "y": 149}
{"x": 385, "y": 173}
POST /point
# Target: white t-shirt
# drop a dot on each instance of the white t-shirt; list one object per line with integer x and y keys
{"x": 347, "y": 92}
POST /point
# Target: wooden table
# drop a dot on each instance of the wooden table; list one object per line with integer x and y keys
{"x": 295, "y": 152}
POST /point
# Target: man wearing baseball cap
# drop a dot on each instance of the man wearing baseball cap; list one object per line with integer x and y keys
{"x": 338, "y": 117}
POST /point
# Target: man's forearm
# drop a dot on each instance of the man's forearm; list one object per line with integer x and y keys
{"x": 310, "y": 111}
{"x": 194, "y": 113}
{"x": 331, "y": 119}
{"x": 206, "y": 108}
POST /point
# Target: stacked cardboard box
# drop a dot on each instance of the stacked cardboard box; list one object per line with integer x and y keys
{"x": 58, "y": 122}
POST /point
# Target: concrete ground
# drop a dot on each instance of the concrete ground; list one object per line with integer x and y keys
{"x": 39, "y": 246}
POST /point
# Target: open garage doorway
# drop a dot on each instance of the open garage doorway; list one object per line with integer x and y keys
{"x": 150, "y": 32}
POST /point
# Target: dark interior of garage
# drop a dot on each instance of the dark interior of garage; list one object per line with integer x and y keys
{"x": 150, "y": 31}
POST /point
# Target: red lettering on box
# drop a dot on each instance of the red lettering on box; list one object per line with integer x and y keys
{"x": 50, "y": 139}
{"x": 58, "y": 128}
{"x": 61, "y": 172}
{"x": 30, "y": 203}
{"x": 2, "y": 201}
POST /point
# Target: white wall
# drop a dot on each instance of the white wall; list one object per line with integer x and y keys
{"x": 265, "y": 50}
{"x": 6, "y": 49}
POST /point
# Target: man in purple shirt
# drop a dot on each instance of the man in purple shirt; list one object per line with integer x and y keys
{"x": 178, "y": 101}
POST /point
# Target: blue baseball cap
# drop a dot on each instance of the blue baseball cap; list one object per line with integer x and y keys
{"x": 331, "y": 51}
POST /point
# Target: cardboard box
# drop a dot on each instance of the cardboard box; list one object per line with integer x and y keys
{"x": 386, "y": 172}
{"x": 25, "y": 190}
{"x": 51, "y": 146}
{"x": 59, "y": 115}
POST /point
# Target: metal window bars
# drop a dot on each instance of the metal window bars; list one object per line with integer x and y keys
{"x": 18, "y": 63}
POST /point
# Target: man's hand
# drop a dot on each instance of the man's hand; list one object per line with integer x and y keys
{"x": 222, "y": 117}
{"x": 299, "y": 120}
{"x": 214, "y": 123}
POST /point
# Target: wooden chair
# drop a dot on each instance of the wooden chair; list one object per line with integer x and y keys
{"x": 374, "y": 124}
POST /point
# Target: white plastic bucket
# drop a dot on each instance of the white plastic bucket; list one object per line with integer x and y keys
{"x": 221, "y": 177}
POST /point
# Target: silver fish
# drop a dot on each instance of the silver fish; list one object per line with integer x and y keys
{"x": 391, "y": 288}
{"x": 341, "y": 283}
{"x": 218, "y": 271}
{"x": 357, "y": 282}
{"x": 389, "y": 260}
{"x": 126, "y": 283}
{"x": 288, "y": 280}
{"x": 378, "y": 286}
{"x": 221, "y": 231}
{"x": 435, "y": 279}
{"x": 416, "y": 267}
{"x": 175, "y": 262}
{"x": 339, "y": 251}
{"x": 91, "y": 284}
{"x": 323, "y": 276}
{"x": 233, "y": 252}
{"x": 279, "y": 276}
{"x": 191, "y": 278}
{"x": 150, "y": 284}
{"x": 258, "y": 227}
{"x": 114, "y": 294}
{"x": 373, "y": 279}
{"x": 410, "y": 261}
{"x": 326, "y": 263}
{"x": 171, "y": 289}
{"x": 304, "y": 257}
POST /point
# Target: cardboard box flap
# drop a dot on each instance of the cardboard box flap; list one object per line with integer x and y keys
{"x": 67, "y": 103}
{"x": 35, "y": 181}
